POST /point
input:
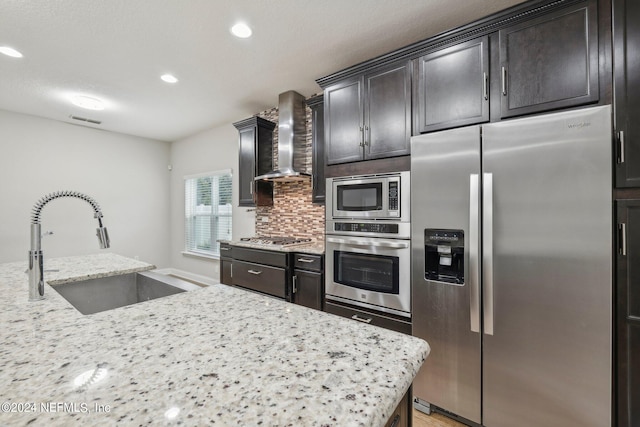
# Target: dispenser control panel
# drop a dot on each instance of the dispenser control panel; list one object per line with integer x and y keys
{"x": 444, "y": 255}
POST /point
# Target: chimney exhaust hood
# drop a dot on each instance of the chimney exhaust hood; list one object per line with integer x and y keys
{"x": 291, "y": 140}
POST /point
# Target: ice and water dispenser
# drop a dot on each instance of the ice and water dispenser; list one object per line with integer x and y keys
{"x": 444, "y": 255}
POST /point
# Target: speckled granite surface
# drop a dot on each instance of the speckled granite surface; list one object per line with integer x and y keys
{"x": 217, "y": 355}
{"x": 316, "y": 248}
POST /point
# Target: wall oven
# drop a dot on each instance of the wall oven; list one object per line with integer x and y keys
{"x": 369, "y": 272}
{"x": 368, "y": 248}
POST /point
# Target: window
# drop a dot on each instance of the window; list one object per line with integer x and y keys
{"x": 207, "y": 210}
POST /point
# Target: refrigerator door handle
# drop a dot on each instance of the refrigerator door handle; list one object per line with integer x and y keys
{"x": 487, "y": 251}
{"x": 474, "y": 242}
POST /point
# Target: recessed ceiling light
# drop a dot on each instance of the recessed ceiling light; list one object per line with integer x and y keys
{"x": 241, "y": 30}
{"x": 9, "y": 51}
{"x": 169, "y": 78}
{"x": 87, "y": 102}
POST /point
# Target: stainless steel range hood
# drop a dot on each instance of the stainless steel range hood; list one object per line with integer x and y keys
{"x": 291, "y": 140}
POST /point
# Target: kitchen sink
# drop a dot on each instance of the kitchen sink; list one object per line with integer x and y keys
{"x": 106, "y": 293}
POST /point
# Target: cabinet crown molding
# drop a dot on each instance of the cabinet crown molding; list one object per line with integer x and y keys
{"x": 481, "y": 27}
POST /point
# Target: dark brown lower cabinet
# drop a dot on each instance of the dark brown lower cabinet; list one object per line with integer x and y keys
{"x": 226, "y": 272}
{"x": 308, "y": 280}
{"x": 307, "y": 289}
{"x": 264, "y": 271}
{"x": 262, "y": 278}
{"x": 403, "y": 414}
{"x": 226, "y": 264}
{"x": 628, "y": 313}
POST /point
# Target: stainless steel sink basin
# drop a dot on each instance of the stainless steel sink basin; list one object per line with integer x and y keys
{"x": 106, "y": 293}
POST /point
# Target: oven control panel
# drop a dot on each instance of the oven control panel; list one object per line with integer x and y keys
{"x": 366, "y": 227}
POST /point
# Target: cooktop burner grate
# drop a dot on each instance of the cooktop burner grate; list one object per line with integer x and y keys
{"x": 275, "y": 240}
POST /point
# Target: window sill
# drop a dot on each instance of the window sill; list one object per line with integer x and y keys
{"x": 199, "y": 255}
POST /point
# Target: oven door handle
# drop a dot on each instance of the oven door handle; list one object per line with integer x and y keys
{"x": 357, "y": 242}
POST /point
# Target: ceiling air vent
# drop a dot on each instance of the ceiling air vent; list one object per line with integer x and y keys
{"x": 84, "y": 119}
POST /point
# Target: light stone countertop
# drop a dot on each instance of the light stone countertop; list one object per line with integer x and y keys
{"x": 217, "y": 355}
{"x": 316, "y": 248}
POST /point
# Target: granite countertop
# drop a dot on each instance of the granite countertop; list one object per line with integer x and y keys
{"x": 316, "y": 248}
{"x": 217, "y": 355}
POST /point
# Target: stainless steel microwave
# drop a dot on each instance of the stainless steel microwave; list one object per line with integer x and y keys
{"x": 380, "y": 196}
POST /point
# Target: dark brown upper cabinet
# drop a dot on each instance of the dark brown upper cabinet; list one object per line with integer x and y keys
{"x": 318, "y": 184}
{"x": 452, "y": 87}
{"x": 550, "y": 62}
{"x": 255, "y": 158}
{"x": 626, "y": 74}
{"x": 369, "y": 116}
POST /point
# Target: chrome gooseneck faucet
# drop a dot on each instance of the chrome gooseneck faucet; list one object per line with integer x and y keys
{"x": 36, "y": 282}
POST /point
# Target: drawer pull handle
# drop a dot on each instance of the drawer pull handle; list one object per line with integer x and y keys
{"x": 396, "y": 421}
{"x": 305, "y": 260}
{"x": 254, "y": 272}
{"x": 361, "y": 319}
{"x": 225, "y": 249}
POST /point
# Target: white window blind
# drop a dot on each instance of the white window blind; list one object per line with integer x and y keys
{"x": 207, "y": 212}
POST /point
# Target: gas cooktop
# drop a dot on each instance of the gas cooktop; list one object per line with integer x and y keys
{"x": 275, "y": 241}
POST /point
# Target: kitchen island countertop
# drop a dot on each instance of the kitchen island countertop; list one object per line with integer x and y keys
{"x": 217, "y": 355}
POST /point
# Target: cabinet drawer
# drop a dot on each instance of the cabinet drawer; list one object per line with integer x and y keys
{"x": 261, "y": 278}
{"x": 368, "y": 317}
{"x": 226, "y": 251}
{"x": 274, "y": 258}
{"x": 307, "y": 262}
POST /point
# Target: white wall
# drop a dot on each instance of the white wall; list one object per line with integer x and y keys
{"x": 211, "y": 150}
{"x": 126, "y": 175}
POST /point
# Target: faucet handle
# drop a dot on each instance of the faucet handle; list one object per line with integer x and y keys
{"x": 46, "y": 233}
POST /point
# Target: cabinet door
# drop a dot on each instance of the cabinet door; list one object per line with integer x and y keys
{"x": 452, "y": 87}
{"x": 308, "y": 289}
{"x": 402, "y": 414}
{"x": 246, "y": 166}
{"x": 316, "y": 104}
{"x": 387, "y": 112}
{"x": 626, "y": 63}
{"x": 344, "y": 130}
{"x": 226, "y": 271}
{"x": 550, "y": 62}
{"x": 628, "y": 313}
{"x": 255, "y": 158}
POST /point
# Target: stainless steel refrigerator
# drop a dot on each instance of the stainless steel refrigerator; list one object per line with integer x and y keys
{"x": 512, "y": 269}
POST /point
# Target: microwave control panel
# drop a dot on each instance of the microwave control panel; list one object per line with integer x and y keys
{"x": 366, "y": 227}
{"x": 394, "y": 198}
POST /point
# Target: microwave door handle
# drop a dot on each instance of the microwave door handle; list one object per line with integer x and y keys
{"x": 357, "y": 242}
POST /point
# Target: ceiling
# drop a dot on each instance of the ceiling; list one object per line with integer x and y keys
{"x": 116, "y": 50}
